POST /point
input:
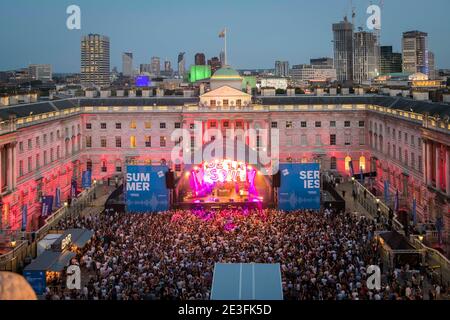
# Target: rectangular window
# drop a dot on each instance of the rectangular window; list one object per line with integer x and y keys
{"x": 347, "y": 124}
{"x": 303, "y": 124}
{"x": 88, "y": 126}
{"x": 332, "y": 139}
{"x": 333, "y": 163}
{"x": 103, "y": 126}
{"x": 348, "y": 139}
{"x": 103, "y": 142}
{"x": 318, "y": 124}
{"x": 52, "y": 137}
{"x": 177, "y": 125}
{"x": 361, "y": 124}
{"x": 419, "y": 160}
{"x": 21, "y": 168}
{"x": 148, "y": 141}
{"x": 332, "y": 124}
{"x": 362, "y": 138}
{"x": 239, "y": 124}
{"x": 88, "y": 142}
{"x": 162, "y": 125}
{"x": 226, "y": 124}
{"x": 212, "y": 103}
{"x": 413, "y": 160}
{"x": 162, "y": 142}
{"x": 192, "y": 126}
{"x": 52, "y": 158}
{"x": 30, "y": 164}
{"x": 238, "y": 102}
{"x": 132, "y": 141}
{"x": 318, "y": 140}
{"x": 21, "y": 146}
{"x": 400, "y": 153}
{"x": 133, "y": 124}
{"x": 148, "y": 124}
{"x": 45, "y": 158}
{"x": 118, "y": 125}
{"x": 213, "y": 124}
{"x": 30, "y": 144}
{"x": 38, "y": 161}
{"x": 37, "y": 142}
{"x": 225, "y": 103}
{"x": 289, "y": 125}
{"x": 304, "y": 140}
{"x": 274, "y": 125}
{"x": 118, "y": 142}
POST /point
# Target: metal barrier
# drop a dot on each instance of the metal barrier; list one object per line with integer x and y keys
{"x": 371, "y": 203}
{"x": 26, "y": 241}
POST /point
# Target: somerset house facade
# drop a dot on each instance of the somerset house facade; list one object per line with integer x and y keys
{"x": 45, "y": 146}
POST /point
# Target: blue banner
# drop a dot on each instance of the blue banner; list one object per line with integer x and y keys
{"x": 37, "y": 281}
{"x": 86, "y": 180}
{"x": 58, "y": 198}
{"x": 47, "y": 205}
{"x": 300, "y": 187}
{"x": 386, "y": 192}
{"x": 146, "y": 189}
{"x": 396, "y": 202}
{"x": 24, "y": 217}
{"x": 73, "y": 189}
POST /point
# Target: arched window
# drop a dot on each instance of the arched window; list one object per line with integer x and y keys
{"x": 347, "y": 163}
{"x": 362, "y": 163}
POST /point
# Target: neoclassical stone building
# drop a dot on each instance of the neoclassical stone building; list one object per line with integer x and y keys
{"x": 45, "y": 146}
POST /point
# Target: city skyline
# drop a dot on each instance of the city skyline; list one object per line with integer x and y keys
{"x": 61, "y": 47}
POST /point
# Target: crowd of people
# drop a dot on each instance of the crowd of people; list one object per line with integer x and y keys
{"x": 171, "y": 255}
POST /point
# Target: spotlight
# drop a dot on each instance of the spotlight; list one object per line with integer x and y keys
{"x": 249, "y": 168}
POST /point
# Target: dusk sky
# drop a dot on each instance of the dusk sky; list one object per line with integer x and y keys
{"x": 260, "y": 31}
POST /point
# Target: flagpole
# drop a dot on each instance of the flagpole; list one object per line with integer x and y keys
{"x": 226, "y": 58}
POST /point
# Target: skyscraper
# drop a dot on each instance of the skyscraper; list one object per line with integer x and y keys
{"x": 343, "y": 50}
{"x": 156, "y": 66}
{"x": 282, "y": 68}
{"x": 390, "y": 62}
{"x": 200, "y": 59}
{"x": 415, "y": 52}
{"x": 127, "y": 64}
{"x": 181, "y": 64}
{"x": 215, "y": 64}
{"x": 167, "y": 66}
{"x": 95, "y": 63}
{"x": 366, "y": 60}
{"x": 431, "y": 66}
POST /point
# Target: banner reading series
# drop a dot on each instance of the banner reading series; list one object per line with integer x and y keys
{"x": 300, "y": 186}
{"x": 146, "y": 190}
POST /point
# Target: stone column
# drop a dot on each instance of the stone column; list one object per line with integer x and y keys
{"x": 9, "y": 169}
{"x": 1, "y": 169}
{"x": 424, "y": 161}
{"x": 447, "y": 170}
{"x": 429, "y": 163}
{"x": 438, "y": 167}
